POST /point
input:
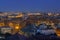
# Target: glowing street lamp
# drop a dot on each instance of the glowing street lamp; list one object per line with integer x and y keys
{"x": 17, "y": 27}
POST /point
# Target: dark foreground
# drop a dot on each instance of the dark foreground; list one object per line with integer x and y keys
{"x": 32, "y": 37}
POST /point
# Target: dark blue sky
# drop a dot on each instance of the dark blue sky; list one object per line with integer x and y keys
{"x": 29, "y": 5}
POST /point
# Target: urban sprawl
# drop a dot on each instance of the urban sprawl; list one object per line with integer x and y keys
{"x": 30, "y": 22}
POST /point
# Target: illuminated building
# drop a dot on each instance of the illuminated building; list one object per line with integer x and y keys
{"x": 4, "y": 30}
{"x": 49, "y": 14}
{"x": 19, "y": 15}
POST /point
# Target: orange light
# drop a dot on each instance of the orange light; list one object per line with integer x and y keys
{"x": 19, "y": 15}
{"x": 2, "y": 24}
{"x": 11, "y": 24}
{"x": 57, "y": 32}
{"x": 17, "y": 27}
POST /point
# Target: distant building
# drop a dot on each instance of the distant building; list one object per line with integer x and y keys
{"x": 4, "y": 30}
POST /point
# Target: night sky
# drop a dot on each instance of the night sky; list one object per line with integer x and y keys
{"x": 29, "y": 5}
